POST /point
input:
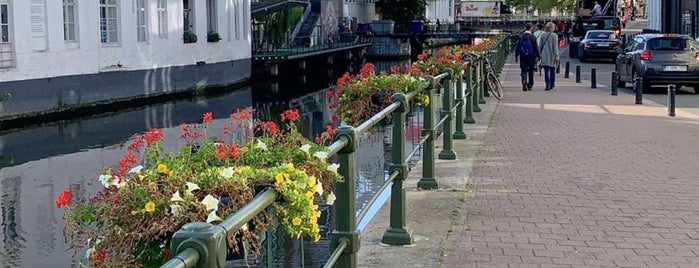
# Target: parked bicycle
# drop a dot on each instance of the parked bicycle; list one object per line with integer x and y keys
{"x": 494, "y": 85}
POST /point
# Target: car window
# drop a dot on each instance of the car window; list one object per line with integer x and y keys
{"x": 601, "y": 35}
{"x": 669, "y": 43}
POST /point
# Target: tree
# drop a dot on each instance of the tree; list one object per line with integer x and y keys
{"x": 402, "y": 12}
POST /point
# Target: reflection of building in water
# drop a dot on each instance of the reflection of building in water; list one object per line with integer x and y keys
{"x": 45, "y": 231}
{"x": 12, "y": 233}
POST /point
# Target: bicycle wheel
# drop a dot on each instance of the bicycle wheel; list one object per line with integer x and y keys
{"x": 494, "y": 85}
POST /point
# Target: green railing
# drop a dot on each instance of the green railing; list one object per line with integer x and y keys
{"x": 202, "y": 244}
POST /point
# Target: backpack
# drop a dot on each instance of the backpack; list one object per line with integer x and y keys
{"x": 525, "y": 45}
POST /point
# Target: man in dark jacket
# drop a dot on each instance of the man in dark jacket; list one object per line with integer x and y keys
{"x": 527, "y": 63}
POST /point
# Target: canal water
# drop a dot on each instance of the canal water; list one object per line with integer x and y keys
{"x": 38, "y": 162}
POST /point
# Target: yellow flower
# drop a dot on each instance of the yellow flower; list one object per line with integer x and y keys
{"x": 279, "y": 178}
{"x": 426, "y": 100}
{"x": 289, "y": 167}
{"x": 171, "y": 173}
{"x": 162, "y": 168}
{"x": 296, "y": 221}
{"x": 316, "y": 238}
{"x": 150, "y": 207}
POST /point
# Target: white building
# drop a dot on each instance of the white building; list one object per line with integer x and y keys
{"x": 55, "y": 54}
{"x": 442, "y": 10}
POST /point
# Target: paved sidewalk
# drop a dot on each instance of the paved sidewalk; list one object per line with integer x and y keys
{"x": 573, "y": 177}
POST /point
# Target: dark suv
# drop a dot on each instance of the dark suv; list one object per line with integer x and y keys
{"x": 584, "y": 24}
{"x": 660, "y": 59}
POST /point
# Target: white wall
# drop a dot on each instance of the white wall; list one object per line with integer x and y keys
{"x": 91, "y": 56}
{"x": 440, "y": 9}
{"x": 363, "y": 10}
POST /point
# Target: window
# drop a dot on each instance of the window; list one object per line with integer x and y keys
{"x": 188, "y": 15}
{"x": 4, "y": 23}
{"x": 162, "y": 18}
{"x": 69, "y": 21}
{"x": 141, "y": 27}
{"x": 211, "y": 22}
{"x": 7, "y": 55}
{"x": 109, "y": 21}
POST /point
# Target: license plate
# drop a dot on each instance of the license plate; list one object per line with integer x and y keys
{"x": 603, "y": 45}
{"x": 675, "y": 68}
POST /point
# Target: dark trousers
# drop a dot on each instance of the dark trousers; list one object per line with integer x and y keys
{"x": 527, "y": 65}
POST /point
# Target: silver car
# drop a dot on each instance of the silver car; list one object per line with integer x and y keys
{"x": 660, "y": 59}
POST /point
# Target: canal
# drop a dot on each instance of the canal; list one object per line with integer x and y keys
{"x": 38, "y": 162}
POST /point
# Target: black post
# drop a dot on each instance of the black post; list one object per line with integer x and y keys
{"x": 567, "y": 74}
{"x": 638, "y": 88}
{"x": 615, "y": 83}
{"x": 671, "y": 100}
{"x": 593, "y": 78}
{"x": 577, "y": 74}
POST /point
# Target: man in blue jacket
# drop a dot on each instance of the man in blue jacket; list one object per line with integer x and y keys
{"x": 527, "y": 53}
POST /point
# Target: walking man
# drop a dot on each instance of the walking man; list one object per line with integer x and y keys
{"x": 597, "y": 9}
{"x": 527, "y": 53}
{"x": 549, "y": 55}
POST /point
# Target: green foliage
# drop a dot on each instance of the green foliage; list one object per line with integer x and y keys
{"x": 189, "y": 37}
{"x": 281, "y": 22}
{"x": 213, "y": 37}
{"x": 544, "y": 6}
{"x": 402, "y": 12}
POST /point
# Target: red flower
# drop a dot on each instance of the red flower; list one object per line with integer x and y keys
{"x": 334, "y": 117}
{"x": 152, "y": 136}
{"x": 291, "y": 115}
{"x": 342, "y": 80}
{"x": 330, "y": 129}
{"x": 64, "y": 198}
{"x": 330, "y": 94}
{"x": 208, "y": 116}
{"x": 233, "y": 151}
{"x": 319, "y": 139}
{"x": 269, "y": 127}
{"x": 367, "y": 70}
{"x": 221, "y": 152}
{"x": 395, "y": 69}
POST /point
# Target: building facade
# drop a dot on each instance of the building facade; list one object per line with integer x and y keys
{"x": 58, "y": 54}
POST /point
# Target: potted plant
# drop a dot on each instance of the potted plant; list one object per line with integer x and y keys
{"x": 152, "y": 192}
{"x": 213, "y": 37}
{"x": 358, "y": 97}
{"x": 189, "y": 37}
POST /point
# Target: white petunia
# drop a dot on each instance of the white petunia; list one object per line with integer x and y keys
{"x": 210, "y": 202}
{"x": 176, "y": 197}
{"x": 119, "y": 182}
{"x": 213, "y": 217}
{"x": 333, "y": 167}
{"x": 191, "y": 187}
{"x": 321, "y": 155}
{"x": 261, "y": 145}
{"x": 175, "y": 210}
{"x": 227, "y": 173}
{"x": 105, "y": 180}
{"x": 319, "y": 188}
{"x": 305, "y": 148}
{"x": 331, "y": 199}
{"x": 244, "y": 227}
{"x": 136, "y": 169}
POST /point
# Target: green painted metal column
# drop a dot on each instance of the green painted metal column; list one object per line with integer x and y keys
{"x": 345, "y": 221}
{"x": 477, "y": 85}
{"x": 428, "y": 180}
{"x": 398, "y": 233}
{"x": 482, "y": 83}
{"x": 459, "y": 134}
{"x": 469, "y": 99}
{"x": 447, "y": 152}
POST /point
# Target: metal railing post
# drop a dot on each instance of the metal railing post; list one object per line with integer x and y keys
{"x": 477, "y": 85}
{"x": 447, "y": 152}
{"x": 469, "y": 99}
{"x": 481, "y": 83}
{"x": 398, "y": 233}
{"x": 345, "y": 221}
{"x": 428, "y": 181}
{"x": 459, "y": 133}
{"x": 208, "y": 240}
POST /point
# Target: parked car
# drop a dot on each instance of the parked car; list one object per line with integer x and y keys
{"x": 660, "y": 59}
{"x": 599, "y": 44}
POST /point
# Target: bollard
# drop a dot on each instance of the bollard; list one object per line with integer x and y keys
{"x": 671, "y": 100}
{"x": 428, "y": 180}
{"x": 481, "y": 83}
{"x": 577, "y": 74}
{"x": 447, "y": 151}
{"x": 469, "y": 95}
{"x": 567, "y": 74}
{"x": 459, "y": 133}
{"x": 615, "y": 83}
{"x": 476, "y": 82}
{"x": 345, "y": 223}
{"x": 593, "y": 78}
{"x": 638, "y": 88}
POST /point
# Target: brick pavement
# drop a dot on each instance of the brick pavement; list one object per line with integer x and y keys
{"x": 578, "y": 178}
